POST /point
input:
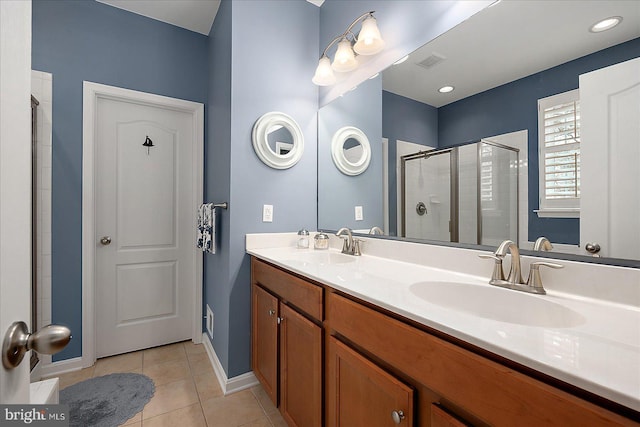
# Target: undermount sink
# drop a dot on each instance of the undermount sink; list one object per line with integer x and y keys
{"x": 322, "y": 258}
{"x": 499, "y": 304}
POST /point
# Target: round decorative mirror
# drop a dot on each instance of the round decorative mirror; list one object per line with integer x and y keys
{"x": 277, "y": 140}
{"x": 350, "y": 150}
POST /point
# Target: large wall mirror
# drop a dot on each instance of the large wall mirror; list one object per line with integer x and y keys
{"x": 462, "y": 167}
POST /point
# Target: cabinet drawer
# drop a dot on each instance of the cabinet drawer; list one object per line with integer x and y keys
{"x": 300, "y": 293}
{"x": 494, "y": 393}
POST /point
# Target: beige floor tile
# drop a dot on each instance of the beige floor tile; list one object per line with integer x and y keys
{"x": 71, "y": 378}
{"x": 264, "y": 399}
{"x": 167, "y": 372}
{"x": 190, "y": 416}
{"x": 263, "y": 422}
{"x": 136, "y": 424}
{"x": 164, "y": 354}
{"x": 135, "y": 420}
{"x": 200, "y": 363}
{"x": 277, "y": 420}
{"x": 207, "y": 385}
{"x": 169, "y": 397}
{"x": 128, "y": 362}
{"x": 191, "y": 348}
{"x": 235, "y": 410}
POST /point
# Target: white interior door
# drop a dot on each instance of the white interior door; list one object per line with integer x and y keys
{"x": 15, "y": 185}
{"x": 145, "y": 212}
{"x": 610, "y": 155}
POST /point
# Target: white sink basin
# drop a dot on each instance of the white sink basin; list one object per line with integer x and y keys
{"x": 322, "y": 258}
{"x": 500, "y": 304}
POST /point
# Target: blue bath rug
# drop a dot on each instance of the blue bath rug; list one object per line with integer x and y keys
{"x": 107, "y": 401}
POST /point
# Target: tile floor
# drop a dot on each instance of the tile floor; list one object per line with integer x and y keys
{"x": 187, "y": 391}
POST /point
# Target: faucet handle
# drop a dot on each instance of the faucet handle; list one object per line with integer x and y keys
{"x": 498, "y": 272}
{"x": 535, "y": 280}
{"x": 356, "y": 247}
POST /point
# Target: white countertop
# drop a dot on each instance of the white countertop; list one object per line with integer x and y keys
{"x": 599, "y": 353}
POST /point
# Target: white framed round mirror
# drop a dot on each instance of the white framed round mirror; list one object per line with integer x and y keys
{"x": 350, "y": 150}
{"x": 277, "y": 140}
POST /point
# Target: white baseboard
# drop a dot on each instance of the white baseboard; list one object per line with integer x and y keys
{"x": 61, "y": 367}
{"x": 228, "y": 385}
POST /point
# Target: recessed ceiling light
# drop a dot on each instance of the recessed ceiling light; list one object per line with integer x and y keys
{"x": 605, "y": 24}
{"x": 446, "y": 89}
{"x": 401, "y": 60}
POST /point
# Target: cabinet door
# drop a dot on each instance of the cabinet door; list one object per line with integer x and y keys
{"x": 300, "y": 369}
{"x": 361, "y": 394}
{"x": 264, "y": 340}
{"x": 441, "y": 418}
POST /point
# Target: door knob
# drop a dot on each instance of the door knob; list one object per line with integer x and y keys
{"x": 105, "y": 240}
{"x": 592, "y": 248}
{"x": 17, "y": 341}
{"x": 397, "y": 416}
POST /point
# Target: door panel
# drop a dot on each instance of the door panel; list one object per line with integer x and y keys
{"x": 610, "y": 154}
{"x": 264, "y": 340}
{"x": 361, "y": 394}
{"x": 15, "y": 185}
{"x": 301, "y": 369}
{"x": 144, "y": 293}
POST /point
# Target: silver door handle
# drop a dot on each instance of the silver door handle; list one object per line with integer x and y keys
{"x": 592, "y": 248}
{"x": 17, "y": 341}
{"x": 105, "y": 240}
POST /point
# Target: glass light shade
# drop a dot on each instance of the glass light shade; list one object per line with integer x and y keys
{"x": 324, "y": 74}
{"x": 369, "y": 40}
{"x": 344, "y": 60}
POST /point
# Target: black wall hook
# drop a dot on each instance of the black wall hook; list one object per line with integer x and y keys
{"x": 147, "y": 143}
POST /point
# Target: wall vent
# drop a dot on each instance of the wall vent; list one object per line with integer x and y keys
{"x": 209, "y": 321}
{"x": 431, "y": 60}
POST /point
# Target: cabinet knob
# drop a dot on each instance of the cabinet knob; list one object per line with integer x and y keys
{"x": 280, "y": 320}
{"x": 397, "y": 416}
{"x": 272, "y": 312}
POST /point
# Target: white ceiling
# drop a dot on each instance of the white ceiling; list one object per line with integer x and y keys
{"x": 508, "y": 41}
{"x": 194, "y": 15}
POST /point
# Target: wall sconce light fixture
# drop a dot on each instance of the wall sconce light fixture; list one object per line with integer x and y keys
{"x": 367, "y": 42}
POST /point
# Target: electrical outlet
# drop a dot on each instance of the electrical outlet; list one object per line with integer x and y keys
{"x": 209, "y": 321}
{"x": 267, "y": 213}
{"x": 359, "y": 214}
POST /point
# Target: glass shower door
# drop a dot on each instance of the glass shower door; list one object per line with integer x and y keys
{"x": 427, "y": 189}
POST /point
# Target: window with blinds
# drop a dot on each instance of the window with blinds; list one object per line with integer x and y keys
{"x": 559, "y": 154}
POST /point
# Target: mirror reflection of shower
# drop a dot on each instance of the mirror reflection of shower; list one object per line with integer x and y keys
{"x": 466, "y": 194}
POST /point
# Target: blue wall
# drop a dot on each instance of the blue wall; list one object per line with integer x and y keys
{"x": 406, "y": 120}
{"x": 338, "y": 194}
{"x": 513, "y": 107}
{"x": 218, "y": 174}
{"x": 86, "y": 40}
{"x": 255, "y": 80}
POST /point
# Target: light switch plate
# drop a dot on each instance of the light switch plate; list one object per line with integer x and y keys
{"x": 267, "y": 213}
{"x": 359, "y": 215}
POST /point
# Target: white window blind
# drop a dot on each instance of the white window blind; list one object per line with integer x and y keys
{"x": 559, "y": 154}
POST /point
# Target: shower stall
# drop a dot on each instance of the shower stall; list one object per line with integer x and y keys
{"x": 465, "y": 194}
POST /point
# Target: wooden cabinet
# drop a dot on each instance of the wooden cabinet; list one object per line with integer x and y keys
{"x": 264, "y": 340}
{"x": 287, "y": 343}
{"x": 378, "y": 362}
{"x": 361, "y": 394}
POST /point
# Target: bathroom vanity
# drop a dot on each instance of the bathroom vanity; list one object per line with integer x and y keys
{"x": 357, "y": 341}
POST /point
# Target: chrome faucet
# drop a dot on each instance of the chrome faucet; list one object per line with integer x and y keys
{"x": 347, "y": 245}
{"x": 350, "y": 246}
{"x": 542, "y": 244}
{"x": 376, "y": 230}
{"x": 515, "y": 273}
{"x": 514, "y": 280}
